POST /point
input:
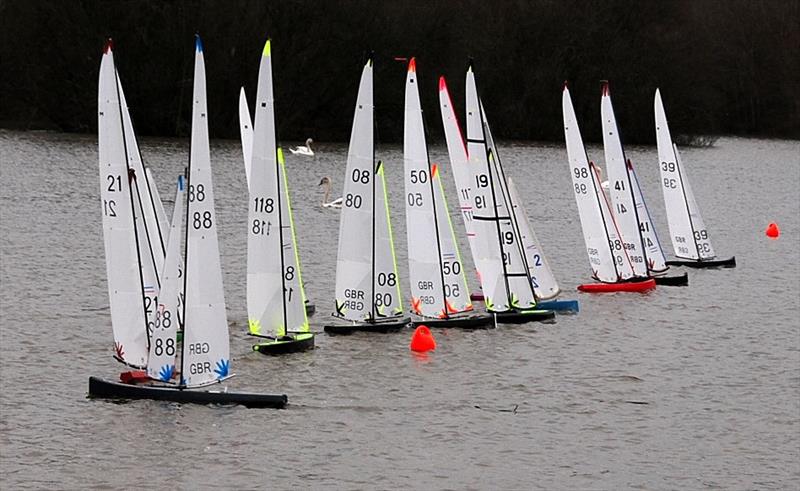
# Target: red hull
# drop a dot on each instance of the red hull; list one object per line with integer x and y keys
{"x": 628, "y": 286}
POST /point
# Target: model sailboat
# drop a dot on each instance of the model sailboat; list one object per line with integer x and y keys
{"x": 367, "y": 295}
{"x": 275, "y": 295}
{"x": 690, "y": 238}
{"x": 544, "y": 282}
{"x": 203, "y": 357}
{"x": 632, "y": 219}
{"x": 608, "y": 258}
{"x": 246, "y": 132}
{"x": 501, "y": 262}
{"x": 439, "y": 292}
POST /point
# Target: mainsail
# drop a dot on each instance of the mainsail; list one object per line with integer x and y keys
{"x": 125, "y": 284}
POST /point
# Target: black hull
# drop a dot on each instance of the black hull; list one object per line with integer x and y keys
{"x": 376, "y": 327}
{"x": 292, "y": 344}
{"x": 99, "y": 388}
{"x": 679, "y": 280}
{"x": 714, "y": 263}
{"x": 473, "y": 321}
{"x": 523, "y": 317}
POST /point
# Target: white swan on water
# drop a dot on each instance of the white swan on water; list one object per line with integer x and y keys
{"x": 303, "y": 150}
{"x": 337, "y": 203}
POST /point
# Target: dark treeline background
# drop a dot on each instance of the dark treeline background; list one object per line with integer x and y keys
{"x": 728, "y": 66}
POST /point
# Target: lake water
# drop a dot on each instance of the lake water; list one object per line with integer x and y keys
{"x": 681, "y": 388}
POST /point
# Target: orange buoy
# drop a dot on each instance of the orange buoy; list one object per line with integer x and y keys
{"x": 422, "y": 340}
{"x": 773, "y": 231}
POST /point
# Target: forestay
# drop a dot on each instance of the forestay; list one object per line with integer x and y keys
{"x": 163, "y": 342}
{"x": 122, "y": 260}
{"x": 597, "y": 225}
{"x": 275, "y": 299}
{"x": 487, "y": 252}
{"x": 690, "y": 238}
{"x": 205, "y": 350}
{"x": 544, "y": 282}
{"x": 621, "y": 188}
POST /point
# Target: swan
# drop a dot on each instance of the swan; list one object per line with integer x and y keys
{"x": 303, "y": 150}
{"x": 337, "y": 203}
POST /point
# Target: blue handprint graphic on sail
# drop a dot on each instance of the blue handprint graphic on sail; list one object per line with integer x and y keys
{"x": 222, "y": 369}
{"x": 166, "y": 373}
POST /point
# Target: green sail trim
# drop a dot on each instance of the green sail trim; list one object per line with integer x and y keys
{"x": 391, "y": 235}
{"x": 305, "y": 327}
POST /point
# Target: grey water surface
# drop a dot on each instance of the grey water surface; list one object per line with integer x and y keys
{"x": 680, "y": 388}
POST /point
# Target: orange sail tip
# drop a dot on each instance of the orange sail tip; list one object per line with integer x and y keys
{"x": 422, "y": 340}
{"x": 604, "y": 87}
{"x": 565, "y": 86}
{"x": 442, "y": 84}
{"x": 412, "y": 65}
{"x": 108, "y": 46}
{"x": 434, "y": 170}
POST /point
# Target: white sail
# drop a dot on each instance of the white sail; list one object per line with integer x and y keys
{"x": 425, "y": 271}
{"x": 122, "y": 260}
{"x": 542, "y": 278}
{"x": 246, "y": 132}
{"x": 388, "y": 297}
{"x": 148, "y": 233}
{"x": 275, "y": 299}
{"x": 158, "y": 205}
{"x": 701, "y": 238}
{"x": 459, "y": 163}
{"x": 515, "y": 264}
{"x": 163, "y": 342}
{"x": 456, "y": 290}
{"x": 206, "y": 350}
{"x": 487, "y": 251}
{"x": 597, "y": 226}
{"x": 620, "y": 188}
{"x": 354, "y": 262}
{"x": 690, "y": 238}
{"x": 656, "y": 262}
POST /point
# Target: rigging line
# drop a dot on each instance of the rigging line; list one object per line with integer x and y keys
{"x": 619, "y": 234}
{"x": 152, "y": 203}
{"x": 595, "y": 180}
{"x": 512, "y": 214}
{"x": 147, "y": 232}
{"x": 686, "y": 201}
{"x": 133, "y": 217}
{"x": 628, "y": 167}
{"x": 488, "y": 155}
{"x": 644, "y": 202}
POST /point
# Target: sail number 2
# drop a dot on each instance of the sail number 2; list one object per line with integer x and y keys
{"x": 114, "y": 185}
